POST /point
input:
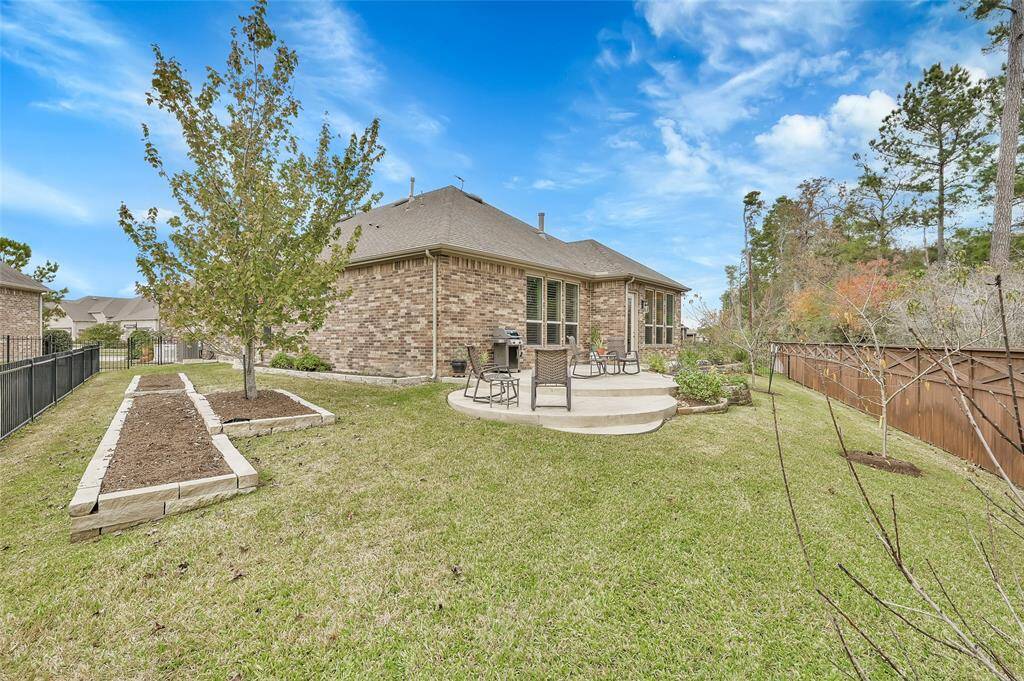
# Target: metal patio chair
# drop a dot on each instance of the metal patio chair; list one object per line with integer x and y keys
{"x": 551, "y": 369}
{"x": 484, "y": 372}
{"x": 584, "y": 364}
{"x": 624, "y": 360}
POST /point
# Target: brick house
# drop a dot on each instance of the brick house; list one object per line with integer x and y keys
{"x": 439, "y": 270}
{"x": 21, "y": 303}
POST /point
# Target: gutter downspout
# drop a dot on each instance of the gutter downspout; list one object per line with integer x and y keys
{"x": 433, "y": 303}
{"x": 625, "y": 306}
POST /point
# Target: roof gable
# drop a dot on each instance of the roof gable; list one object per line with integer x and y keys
{"x": 12, "y": 278}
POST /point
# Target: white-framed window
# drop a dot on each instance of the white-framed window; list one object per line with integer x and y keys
{"x": 670, "y": 318}
{"x": 572, "y": 311}
{"x": 659, "y": 309}
{"x": 534, "y": 311}
{"x": 553, "y": 312}
{"x": 649, "y": 318}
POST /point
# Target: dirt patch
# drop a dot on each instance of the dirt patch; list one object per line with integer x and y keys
{"x": 232, "y": 406}
{"x": 161, "y": 382}
{"x": 884, "y": 464}
{"x": 163, "y": 440}
{"x": 691, "y": 402}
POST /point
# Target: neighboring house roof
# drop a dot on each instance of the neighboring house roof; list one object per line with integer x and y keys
{"x": 106, "y": 308}
{"x": 450, "y": 217}
{"x": 12, "y": 278}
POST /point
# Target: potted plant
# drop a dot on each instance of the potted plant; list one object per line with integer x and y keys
{"x": 595, "y": 341}
{"x": 459, "y": 363}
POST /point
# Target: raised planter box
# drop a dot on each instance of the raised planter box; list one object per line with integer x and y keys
{"x": 133, "y": 388}
{"x": 256, "y": 427}
{"x": 94, "y": 513}
{"x": 721, "y": 406}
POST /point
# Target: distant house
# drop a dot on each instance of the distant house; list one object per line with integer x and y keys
{"x": 434, "y": 272}
{"x": 128, "y": 313}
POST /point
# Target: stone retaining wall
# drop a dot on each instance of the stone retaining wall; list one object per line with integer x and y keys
{"x": 94, "y": 513}
{"x": 255, "y": 427}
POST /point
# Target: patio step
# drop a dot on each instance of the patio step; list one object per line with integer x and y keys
{"x": 590, "y": 414}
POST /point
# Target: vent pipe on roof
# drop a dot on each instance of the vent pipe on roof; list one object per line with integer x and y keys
{"x": 412, "y": 190}
{"x": 540, "y": 222}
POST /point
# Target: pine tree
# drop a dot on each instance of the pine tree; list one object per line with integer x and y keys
{"x": 938, "y": 133}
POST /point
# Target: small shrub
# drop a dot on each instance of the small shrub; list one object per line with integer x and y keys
{"x": 657, "y": 363}
{"x": 108, "y": 335}
{"x": 282, "y": 360}
{"x": 310, "y": 362}
{"x": 739, "y": 355}
{"x": 56, "y": 340}
{"x": 141, "y": 343}
{"x": 734, "y": 379}
{"x": 688, "y": 358}
{"x": 697, "y": 385}
{"x": 715, "y": 355}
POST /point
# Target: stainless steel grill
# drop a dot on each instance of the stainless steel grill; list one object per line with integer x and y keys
{"x": 506, "y": 347}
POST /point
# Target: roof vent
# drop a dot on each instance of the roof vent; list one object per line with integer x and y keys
{"x": 540, "y": 222}
{"x": 474, "y": 197}
{"x": 412, "y": 191}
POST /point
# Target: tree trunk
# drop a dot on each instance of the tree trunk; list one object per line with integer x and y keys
{"x": 1009, "y": 132}
{"x": 940, "y": 239}
{"x": 249, "y": 369}
{"x": 884, "y": 417}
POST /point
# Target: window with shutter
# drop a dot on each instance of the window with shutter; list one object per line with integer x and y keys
{"x": 572, "y": 311}
{"x": 659, "y": 308}
{"x": 670, "y": 318}
{"x": 534, "y": 311}
{"x": 649, "y": 318}
{"x": 554, "y": 312}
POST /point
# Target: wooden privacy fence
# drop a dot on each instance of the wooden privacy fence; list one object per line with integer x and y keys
{"x": 929, "y": 409}
{"x": 29, "y": 387}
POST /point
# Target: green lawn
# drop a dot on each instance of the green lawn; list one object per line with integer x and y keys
{"x": 408, "y": 540}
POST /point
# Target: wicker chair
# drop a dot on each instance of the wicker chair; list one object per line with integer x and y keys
{"x": 624, "y": 360}
{"x": 551, "y": 368}
{"x": 483, "y": 373}
{"x": 580, "y": 359}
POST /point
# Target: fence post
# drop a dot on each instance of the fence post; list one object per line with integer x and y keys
{"x": 7, "y": 351}
{"x": 31, "y": 389}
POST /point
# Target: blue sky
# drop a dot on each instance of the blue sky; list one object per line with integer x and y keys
{"x": 641, "y": 125}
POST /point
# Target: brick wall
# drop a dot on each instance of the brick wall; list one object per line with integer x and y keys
{"x": 19, "y": 313}
{"x": 384, "y": 327}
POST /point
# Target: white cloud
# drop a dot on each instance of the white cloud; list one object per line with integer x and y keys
{"x": 795, "y": 135}
{"x": 324, "y": 32}
{"x": 23, "y": 193}
{"x": 857, "y": 117}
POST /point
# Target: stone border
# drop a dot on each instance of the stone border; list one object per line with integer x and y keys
{"x": 721, "y": 406}
{"x": 346, "y": 378}
{"x": 256, "y": 427}
{"x": 133, "y": 388}
{"x": 93, "y": 513}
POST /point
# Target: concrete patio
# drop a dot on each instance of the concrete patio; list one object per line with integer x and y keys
{"x": 606, "y": 405}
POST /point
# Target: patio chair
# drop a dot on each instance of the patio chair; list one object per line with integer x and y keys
{"x": 551, "y": 369}
{"x": 584, "y": 364}
{"x": 483, "y": 372}
{"x": 624, "y": 360}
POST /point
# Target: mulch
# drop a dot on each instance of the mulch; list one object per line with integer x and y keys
{"x": 232, "y": 406}
{"x": 882, "y": 463}
{"x": 163, "y": 440}
{"x": 691, "y": 402}
{"x": 160, "y": 382}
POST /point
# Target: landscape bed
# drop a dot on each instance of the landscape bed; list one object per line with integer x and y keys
{"x": 155, "y": 459}
{"x": 273, "y": 411}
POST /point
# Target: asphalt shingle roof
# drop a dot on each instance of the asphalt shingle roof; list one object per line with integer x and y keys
{"x": 453, "y": 218}
{"x": 113, "y": 309}
{"x": 12, "y": 278}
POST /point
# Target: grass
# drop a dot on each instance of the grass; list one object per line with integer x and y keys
{"x": 408, "y": 540}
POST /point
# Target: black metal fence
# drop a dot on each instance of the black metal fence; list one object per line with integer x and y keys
{"x": 121, "y": 354}
{"x": 28, "y": 387}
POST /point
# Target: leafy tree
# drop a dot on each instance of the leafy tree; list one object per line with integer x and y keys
{"x": 879, "y": 210}
{"x": 938, "y": 133}
{"x": 56, "y": 340}
{"x": 253, "y": 260}
{"x": 1009, "y": 31}
{"x": 107, "y": 334}
{"x": 17, "y": 254}
{"x": 973, "y": 245}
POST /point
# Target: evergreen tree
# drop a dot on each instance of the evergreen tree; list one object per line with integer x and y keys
{"x": 938, "y": 133}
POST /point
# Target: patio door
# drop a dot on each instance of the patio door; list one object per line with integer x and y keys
{"x": 631, "y": 335}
